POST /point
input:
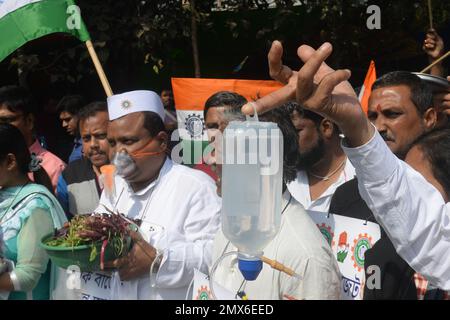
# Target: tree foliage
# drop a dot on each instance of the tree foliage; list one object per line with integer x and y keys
{"x": 140, "y": 39}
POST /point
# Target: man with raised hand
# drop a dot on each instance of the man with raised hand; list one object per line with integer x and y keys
{"x": 411, "y": 210}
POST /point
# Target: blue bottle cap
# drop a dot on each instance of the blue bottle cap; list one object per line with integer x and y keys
{"x": 250, "y": 269}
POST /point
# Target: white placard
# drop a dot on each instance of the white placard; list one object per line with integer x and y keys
{"x": 201, "y": 289}
{"x": 349, "y": 239}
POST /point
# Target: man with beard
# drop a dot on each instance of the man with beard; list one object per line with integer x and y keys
{"x": 400, "y": 108}
{"x": 79, "y": 186}
{"x": 322, "y": 164}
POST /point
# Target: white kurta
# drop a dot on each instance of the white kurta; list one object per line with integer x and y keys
{"x": 299, "y": 188}
{"x": 412, "y": 212}
{"x": 180, "y": 213}
{"x": 300, "y": 246}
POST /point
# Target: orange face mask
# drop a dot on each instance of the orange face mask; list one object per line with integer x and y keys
{"x": 124, "y": 164}
{"x": 142, "y": 153}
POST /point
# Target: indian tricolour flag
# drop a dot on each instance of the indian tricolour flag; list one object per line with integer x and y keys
{"x": 25, "y": 20}
{"x": 190, "y": 95}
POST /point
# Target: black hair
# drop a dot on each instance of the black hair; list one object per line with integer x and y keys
{"x": 71, "y": 104}
{"x": 153, "y": 123}
{"x": 420, "y": 92}
{"x": 280, "y": 116}
{"x": 225, "y": 99}
{"x": 435, "y": 146}
{"x": 17, "y": 99}
{"x": 91, "y": 109}
{"x": 290, "y": 107}
{"x": 12, "y": 141}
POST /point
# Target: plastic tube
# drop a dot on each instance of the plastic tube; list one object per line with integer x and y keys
{"x": 153, "y": 274}
{"x": 213, "y": 270}
{"x": 273, "y": 263}
{"x": 189, "y": 288}
{"x": 280, "y": 267}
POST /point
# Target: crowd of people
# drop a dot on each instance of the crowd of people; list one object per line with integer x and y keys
{"x": 390, "y": 167}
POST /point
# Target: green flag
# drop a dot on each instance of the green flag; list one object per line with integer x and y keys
{"x": 25, "y": 20}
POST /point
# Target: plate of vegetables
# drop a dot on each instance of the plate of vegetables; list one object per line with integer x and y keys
{"x": 87, "y": 241}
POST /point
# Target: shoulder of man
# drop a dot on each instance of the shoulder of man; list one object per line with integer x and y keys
{"x": 52, "y": 157}
{"x": 299, "y": 235}
{"x": 192, "y": 175}
{"x": 347, "y": 201}
{"x": 78, "y": 171}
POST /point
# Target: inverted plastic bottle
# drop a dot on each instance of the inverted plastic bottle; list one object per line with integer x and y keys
{"x": 251, "y": 189}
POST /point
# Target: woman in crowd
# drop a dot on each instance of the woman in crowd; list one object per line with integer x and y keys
{"x": 28, "y": 212}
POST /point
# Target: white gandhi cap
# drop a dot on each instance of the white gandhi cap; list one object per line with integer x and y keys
{"x": 120, "y": 105}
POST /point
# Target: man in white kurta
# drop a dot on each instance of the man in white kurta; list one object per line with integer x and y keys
{"x": 179, "y": 213}
{"x": 410, "y": 209}
{"x": 301, "y": 191}
{"x": 177, "y": 206}
{"x": 299, "y": 246}
{"x": 322, "y": 165}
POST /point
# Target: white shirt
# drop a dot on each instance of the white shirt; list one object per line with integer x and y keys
{"x": 300, "y": 246}
{"x": 412, "y": 212}
{"x": 299, "y": 188}
{"x": 180, "y": 213}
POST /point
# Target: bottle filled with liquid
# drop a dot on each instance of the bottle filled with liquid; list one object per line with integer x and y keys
{"x": 252, "y": 173}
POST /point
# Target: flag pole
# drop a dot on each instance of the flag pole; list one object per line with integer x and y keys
{"x": 99, "y": 68}
{"x": 436, "y": 62}
{"x": 430, "y": 14}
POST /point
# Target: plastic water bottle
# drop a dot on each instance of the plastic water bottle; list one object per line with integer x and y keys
{"x": 252, "y": 173}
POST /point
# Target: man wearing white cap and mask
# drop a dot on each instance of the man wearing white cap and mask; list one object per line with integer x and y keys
{"x": 177, "y": 206}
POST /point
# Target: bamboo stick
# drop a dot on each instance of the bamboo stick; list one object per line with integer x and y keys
{"x": 99, "y": 68}
{"x": 430, "y": 14}
{"x": 436, "y": 62}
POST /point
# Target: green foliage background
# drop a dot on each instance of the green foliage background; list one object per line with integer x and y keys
{"x": 143, "y": 43}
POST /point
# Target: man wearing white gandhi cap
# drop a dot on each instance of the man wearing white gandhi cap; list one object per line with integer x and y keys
{"x": 135, "y": 101}
{"x": 177, "y": 206}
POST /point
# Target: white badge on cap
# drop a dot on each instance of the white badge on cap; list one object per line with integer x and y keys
{"x": 120, "y": 105}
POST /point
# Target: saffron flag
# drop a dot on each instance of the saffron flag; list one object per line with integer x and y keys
{"x": 190, "y": 95}
{"x": 24, "y": 20}
{"x": 366, "y": 88}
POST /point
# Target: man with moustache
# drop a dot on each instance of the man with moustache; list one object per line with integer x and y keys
{"x": 412, "y": 211}
{"x": 322, "y": 165}
{"x": 79, "y": 186}
{"x": 400, "y": 107}
{"x": 176, "y": 207}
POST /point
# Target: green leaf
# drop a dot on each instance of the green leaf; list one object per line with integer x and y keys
{"x": 93, "y": 253}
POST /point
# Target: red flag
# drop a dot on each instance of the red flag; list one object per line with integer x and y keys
{"x": 366, "y": 89}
